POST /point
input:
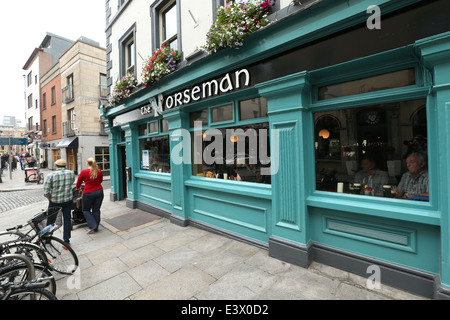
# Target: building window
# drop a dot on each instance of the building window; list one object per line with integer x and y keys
{"x": 226, "y": 147}
{"x": 165, "y": 24}
{"x": 102, "y": 159}
{"x": 44, "y": 101}
{"x": 54, "y": 124}
{"x": 67, "y": 92}
{"x": 30, "y": 101}
{"x": 45, "y": 128}
{"x": 368, "y": 150}
{"x": 30, "y": 78}
{"x": 127, "y": 52}
{"x": 103, "y": 87}
{"x": 169, "y": 26}
{"x": 154, "y": 146}
{"x": 30, "y": 124}
{"x": 53, "y": 95}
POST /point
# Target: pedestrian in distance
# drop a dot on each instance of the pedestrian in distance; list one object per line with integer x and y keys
{"x": 58, "y": 190}
{"x": 92, "y": 194}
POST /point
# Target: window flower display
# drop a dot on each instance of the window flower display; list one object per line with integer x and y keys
{"x": 162, "y": 63}
{"x": 122, "y": 89}
{"x": 236, "y": 22}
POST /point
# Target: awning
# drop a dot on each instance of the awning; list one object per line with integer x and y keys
{"x": 68, "y": 143}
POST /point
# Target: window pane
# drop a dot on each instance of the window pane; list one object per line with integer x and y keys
{"x": 155, "y": 154}
{"x": 241, "y": 162}
{"x": 201, "y": 115}
{"x": 170, "y": 22}
{"x": 381, "y": 82}
{"x": 369, "y": 148}
{"x": 253, "y": 108}
{"x": 222, "y": 114}
{"x": 143, "y": 130}
{"x": 164, "y": 125}
{"x": 153, "y": 127}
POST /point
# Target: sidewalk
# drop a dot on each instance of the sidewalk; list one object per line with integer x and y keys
{"x": 136, "y": 255}
{"x": 18, "y": 181}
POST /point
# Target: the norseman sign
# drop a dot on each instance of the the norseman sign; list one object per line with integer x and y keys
{"x": 208, "y": 89}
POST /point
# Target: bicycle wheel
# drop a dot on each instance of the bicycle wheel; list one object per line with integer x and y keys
{"x": 18, "y": 273}
{"x": 32, "y": 294}
{"x": 33, "y": 252}
{"x": 61, "y": 257}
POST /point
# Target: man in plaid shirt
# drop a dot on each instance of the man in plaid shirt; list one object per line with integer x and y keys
{"x": 58, "y": 191}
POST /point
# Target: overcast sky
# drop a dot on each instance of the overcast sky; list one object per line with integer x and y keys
{"x": 24, "y": 25}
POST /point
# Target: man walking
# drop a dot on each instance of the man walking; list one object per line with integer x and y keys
{"x": 58, "y": 190}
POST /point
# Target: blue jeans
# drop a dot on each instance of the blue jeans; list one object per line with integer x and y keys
{"x": 92, "y": 201}
{"x": 67, "y": 217}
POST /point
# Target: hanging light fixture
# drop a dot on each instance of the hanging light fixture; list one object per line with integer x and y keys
{"x": 324, "y": 133}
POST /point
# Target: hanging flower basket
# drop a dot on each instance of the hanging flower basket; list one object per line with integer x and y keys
{"x": 236, "y": 22}
{"x": 123, "y": 89}
{"x": 162, "y": 63}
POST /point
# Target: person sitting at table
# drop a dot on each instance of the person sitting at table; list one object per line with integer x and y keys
{"x": 371, "y": 176}
{"x": 414, "y": 182}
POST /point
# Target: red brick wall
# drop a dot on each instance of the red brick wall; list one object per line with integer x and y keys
{"x": 51, "y": 110}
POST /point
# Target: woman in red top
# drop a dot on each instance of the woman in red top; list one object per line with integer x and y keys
{"x": 92, "y": 194}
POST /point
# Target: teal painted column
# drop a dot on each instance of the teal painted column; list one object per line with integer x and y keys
{"x": 114, "y": 138}
{"x": 180, "y": 170}
{"x": 131, "y": 141}
{"x": 291, "y": 133}
{"x": 435, "y": 52}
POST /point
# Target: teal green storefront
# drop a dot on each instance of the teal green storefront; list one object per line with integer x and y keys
{"x": 289, "y": 65}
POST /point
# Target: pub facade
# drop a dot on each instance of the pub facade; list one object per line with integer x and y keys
{"x": 267, "y": 143}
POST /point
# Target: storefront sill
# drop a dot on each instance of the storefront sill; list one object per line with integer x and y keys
{"x": 163, "y": 177}
{"x": 255, "y": 190}
{"x": 406, "y": 213}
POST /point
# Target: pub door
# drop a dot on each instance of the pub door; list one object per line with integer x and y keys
{"x": 122, "y": 178}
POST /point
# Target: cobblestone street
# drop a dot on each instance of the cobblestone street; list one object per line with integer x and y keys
{"x": 15, "y": 199}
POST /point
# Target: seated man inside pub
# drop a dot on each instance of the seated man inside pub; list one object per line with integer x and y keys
{"x": 371, "y": 176}
{"x": 414, "y": 182}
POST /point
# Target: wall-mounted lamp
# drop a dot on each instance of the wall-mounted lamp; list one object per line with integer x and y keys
{"x": 234, "y": 138}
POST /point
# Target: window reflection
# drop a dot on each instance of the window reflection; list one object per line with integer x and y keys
{"x": 390, "y": 80}
{"x": 365, "y": 150}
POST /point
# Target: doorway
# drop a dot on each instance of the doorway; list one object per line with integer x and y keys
{"x": 122, "y": 179}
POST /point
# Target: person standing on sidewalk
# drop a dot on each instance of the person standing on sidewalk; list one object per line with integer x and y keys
{"x": 58, "y": 190}
{"x": 92, "y": 194}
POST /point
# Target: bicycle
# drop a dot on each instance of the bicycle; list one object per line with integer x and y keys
{"x": 59, "y": 254}
{"x": 32, "y": 288}
{"x": 19, "y": 271}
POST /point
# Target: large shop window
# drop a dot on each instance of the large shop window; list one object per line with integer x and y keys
{"x": 234, "y": 141}
{"x": 154, "y": 148}
{"x": 377, "y": 150}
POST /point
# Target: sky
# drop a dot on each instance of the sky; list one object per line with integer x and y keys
{"x": 24, "y": 25}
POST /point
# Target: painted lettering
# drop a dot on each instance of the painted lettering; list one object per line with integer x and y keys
{"x": 187, "y": 97}
{"x": 209, "y": 86}
{"x": 226, "y": 81}
{"x": 247, "y": 78}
